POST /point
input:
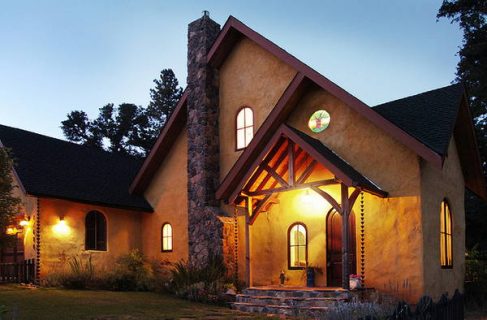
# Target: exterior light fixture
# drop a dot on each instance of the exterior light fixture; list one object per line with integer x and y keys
{"x": 12, "y": 231}
{"x": 61, "y": 228}
{"x": 307, "y": 197}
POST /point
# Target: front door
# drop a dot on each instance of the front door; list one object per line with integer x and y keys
{"x": 334, "y": 248}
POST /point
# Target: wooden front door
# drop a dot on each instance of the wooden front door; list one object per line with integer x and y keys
{"x": 334, "y": 248}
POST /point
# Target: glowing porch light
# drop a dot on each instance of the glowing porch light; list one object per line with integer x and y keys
{"x": 61, "y": 228}
{"x": 312, "y": 203}
{"x": 24, "y": 223}
{"x": 12, "y": 231}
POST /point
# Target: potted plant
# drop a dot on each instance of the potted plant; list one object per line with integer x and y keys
{"x": 355, "y": 281}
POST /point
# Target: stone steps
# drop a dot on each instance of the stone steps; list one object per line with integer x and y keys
{"x": 290, "y": 302}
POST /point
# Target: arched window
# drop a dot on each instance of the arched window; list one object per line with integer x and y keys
{"x": 446, "y": 246}
{"x": 166, "y": 237}
{"x": 96, "y": 231}
{"x": 245, "y": 127}
{"x": 298, "y": 246}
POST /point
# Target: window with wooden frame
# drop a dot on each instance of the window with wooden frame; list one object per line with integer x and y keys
{"x": 244, "y": 127}
{"x": 446, "y": 245}
{"x": 95, "y": 231}
{"x": 166, "y": 237}
{"x": 297, "y": 246}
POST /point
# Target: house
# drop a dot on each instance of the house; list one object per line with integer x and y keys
{"x": 272, "y": 165}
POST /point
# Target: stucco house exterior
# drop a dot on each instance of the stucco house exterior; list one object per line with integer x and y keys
{"x": 272, "y": 165}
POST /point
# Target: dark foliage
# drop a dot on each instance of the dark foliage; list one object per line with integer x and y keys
{"x": 9, "y": 203}
{"x": 471, "y": 15}
{"x": 126, "y": 128}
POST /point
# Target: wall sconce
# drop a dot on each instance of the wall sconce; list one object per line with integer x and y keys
{"x": 24, "y": 222}
{"x": 11, "y": 231}
{"x": 61, "y": 228}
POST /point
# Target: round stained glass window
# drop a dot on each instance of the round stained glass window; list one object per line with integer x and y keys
{"x": 319, "y": 121}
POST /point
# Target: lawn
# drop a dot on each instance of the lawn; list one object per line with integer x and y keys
{"x": 59, "y": 304}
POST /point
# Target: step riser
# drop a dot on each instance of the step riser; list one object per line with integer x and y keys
{"x": 301, "y": 302}
{"x": 276, "y": 310}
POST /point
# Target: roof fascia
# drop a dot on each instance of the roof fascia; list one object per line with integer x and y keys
{"x": 97, "y": 203}
{"x": 162, "y": 146}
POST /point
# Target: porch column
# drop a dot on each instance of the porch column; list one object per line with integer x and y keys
{"x": 345, "y": 236}
{"x": 248, "y": 214}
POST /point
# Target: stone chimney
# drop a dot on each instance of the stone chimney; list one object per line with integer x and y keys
{"x": 205, "y": 230}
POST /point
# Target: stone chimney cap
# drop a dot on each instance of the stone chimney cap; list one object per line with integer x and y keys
{"x": 206, "y": 13}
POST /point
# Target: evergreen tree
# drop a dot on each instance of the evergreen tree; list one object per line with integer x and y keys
{"x": 9, "y": 204}
{"x": 128, "y": 128}
{"x": 471, "y": 15}
{"x": 164, "y": 98}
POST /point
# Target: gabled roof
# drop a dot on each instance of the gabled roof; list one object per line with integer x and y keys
{"x": 343, "y": 171}
{"x": 232, "y": 32}
{"x": 429, "y": 116}
{"x": 49, "y": 167}
{"x": 434, "y": 117}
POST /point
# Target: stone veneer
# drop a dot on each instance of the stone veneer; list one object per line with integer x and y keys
{"x": 205, "y": 229}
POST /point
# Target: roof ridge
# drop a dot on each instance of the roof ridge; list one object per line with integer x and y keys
{"x": 418, "y": 94}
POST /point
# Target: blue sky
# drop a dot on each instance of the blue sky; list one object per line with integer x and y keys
{"x": 57, "y": 56}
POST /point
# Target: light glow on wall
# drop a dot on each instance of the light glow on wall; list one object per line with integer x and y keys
{"x": 61, "y": 228}
{"x": 312, "y": 203}
{"x": 12, "y": 231}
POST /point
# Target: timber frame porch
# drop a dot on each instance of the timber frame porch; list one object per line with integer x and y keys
{"x": 287, "y": 163}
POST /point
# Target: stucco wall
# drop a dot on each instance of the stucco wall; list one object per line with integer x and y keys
{"x": 250, "y": 76}
{"x": 167, "y": 194}
{"x": 437, "y": 185}
{"x": 393, "y": 230}
{"x": 123, "y": 234}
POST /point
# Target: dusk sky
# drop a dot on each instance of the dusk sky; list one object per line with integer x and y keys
{"x": 58, "y": 56}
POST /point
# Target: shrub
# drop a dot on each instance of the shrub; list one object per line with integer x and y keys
{"x": 476, "y": 279}
{"x": 205, "y": 284}
{"x": 81, "y": 276}
{"x": 356, "y": 310}
{"x": 132, "y": 273}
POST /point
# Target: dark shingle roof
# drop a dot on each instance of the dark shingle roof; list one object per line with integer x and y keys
{"x": 339, "y": 163}
{"x": 429, "y": 117}
{"x": 55, "y": 168}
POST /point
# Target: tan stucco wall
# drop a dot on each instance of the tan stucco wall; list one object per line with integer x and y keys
{"x": 167, "y": 195}
{"x": 123, "y": 234}
{"x": 437, "y": 185}
{"x": 250, "y": 76}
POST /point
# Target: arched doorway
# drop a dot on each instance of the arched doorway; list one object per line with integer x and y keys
{"x": 334, "y": 248}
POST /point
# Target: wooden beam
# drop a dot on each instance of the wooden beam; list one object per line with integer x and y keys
{"x": 345, "y": 237}
{"x": 275, "y": 175}
{"x": 258, "y": 208}
{"x": 307, "y": 172}
{"x": 248, "y": 276}
{"x": 328, "y": 198}
{"x": 319, "y": 183}
{"x": 298, "y": 153}
{"x": 290, "y": 162}
{"x": 274, "y": 166}
{"x": 266, "y": 160}
{"x": 353, "y": 197}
